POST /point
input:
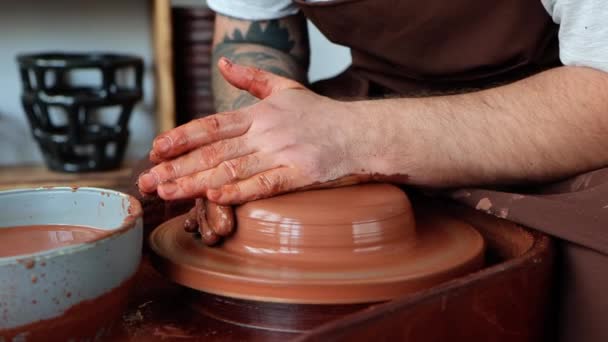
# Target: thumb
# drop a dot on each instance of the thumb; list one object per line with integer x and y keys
{"x": 257, "y": 82}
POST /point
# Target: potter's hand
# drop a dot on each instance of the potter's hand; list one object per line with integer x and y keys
{"x": 211, "y": 220}
{"x": 291, "y": 139}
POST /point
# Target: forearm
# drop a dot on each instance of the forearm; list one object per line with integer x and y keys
{"x": 279, "y": 46}
{"x": 227, "y": 97}
{"x": 542, "y": 128}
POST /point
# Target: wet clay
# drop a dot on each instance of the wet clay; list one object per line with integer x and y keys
{"x": 214, "y": 221}
{"x": 88, "y": 320}
{"x": 347, "y": 245}
{"x": 36, "y": 238}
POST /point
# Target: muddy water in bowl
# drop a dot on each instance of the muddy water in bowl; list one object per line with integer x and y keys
{"x": 36, "y": 238}
{"x": 67, "y": 259}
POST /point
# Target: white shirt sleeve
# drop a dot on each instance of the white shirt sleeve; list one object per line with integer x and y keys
{"x": 254, "y": 9}
{"x": 583, "y": 32}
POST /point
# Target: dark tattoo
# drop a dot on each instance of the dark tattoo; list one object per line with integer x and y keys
{"x": 264, "y": 60}
{"x": 228, "y": 98}
{"x": 273, "y": 36}
{"x": 265, "y": 45}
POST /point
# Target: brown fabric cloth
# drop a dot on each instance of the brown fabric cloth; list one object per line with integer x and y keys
{"x": 436, "y": 45}
{"x": 418, "y": 48}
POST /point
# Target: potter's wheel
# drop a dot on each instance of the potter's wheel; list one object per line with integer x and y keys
{"x": 357, "y": 244}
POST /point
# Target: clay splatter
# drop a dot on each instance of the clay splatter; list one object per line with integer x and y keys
{"x": 581, "y": 183}
{"x": 28, "y": 263}
{"x": 171, "y": 331}
{"x": 503, "y": 213}
{"x": 484, "y": 204}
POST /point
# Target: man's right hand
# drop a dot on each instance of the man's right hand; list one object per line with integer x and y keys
{"x": 292, "y": 139}
{"x": 279, "y": 45}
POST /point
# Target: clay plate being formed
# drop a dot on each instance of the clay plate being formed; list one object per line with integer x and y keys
{"x": 357, "y": 244}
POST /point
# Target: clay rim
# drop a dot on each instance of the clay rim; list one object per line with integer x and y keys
{"x": 134, "y": 214}
{"x": 161, "y": 260}
{"x": 265, "y": 281}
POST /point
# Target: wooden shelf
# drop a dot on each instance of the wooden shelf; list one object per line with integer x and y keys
{"x": 163, "y": 55}
{"x": 29, "y": 176}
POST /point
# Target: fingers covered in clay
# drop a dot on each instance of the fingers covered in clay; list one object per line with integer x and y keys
{"x": 198, "y": 133}
{"x": 290, "y": 140}
{"x": 191, "y": 222}
{"x": 189, "y": 164}
{"x": 210, "y": 220}
{"x": 276, "y": 182}
{"x": 227, "y": 172}
{"x": 208, "y": 236}
{"x": 263, "y": 185}
{"x": 220, "y": 218}
{"x": 204, "y": 143}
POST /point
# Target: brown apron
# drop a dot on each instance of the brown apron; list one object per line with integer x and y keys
{"x": 415, "y": 48}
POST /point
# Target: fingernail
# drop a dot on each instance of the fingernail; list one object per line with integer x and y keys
{"x": 169, "y": 187}
{"x": 153, "y": 157}
{"x": 148, "y": 180}
{"x": 226, "y": 62}
{"x": 162, "y": 145}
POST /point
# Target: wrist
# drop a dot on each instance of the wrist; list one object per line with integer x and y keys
{"x": 369, "y": 145}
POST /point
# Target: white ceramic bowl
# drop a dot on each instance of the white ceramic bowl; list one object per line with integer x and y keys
{"x": 43, "y": 287}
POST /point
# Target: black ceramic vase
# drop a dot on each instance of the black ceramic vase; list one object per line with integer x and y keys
{"x": 80, "y": 127}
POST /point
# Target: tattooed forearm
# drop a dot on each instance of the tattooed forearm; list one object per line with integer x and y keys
{"x": 227, "y": 97}
{"x": 273, "y": 36}
{"x": 279, "y": 46}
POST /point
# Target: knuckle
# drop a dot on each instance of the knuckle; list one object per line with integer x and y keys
{"x": 232, "y": 192}
{"x": 180, "y": 140}
{"x": 232, "y": 169}
{"x": 283, "y": 183}
{"x": 209, "y": 156}
{"x": 210, "y": 125}
{"x": 170, "y": 170}
{"x": 265, "y": 183}
{"x": 226, "y": 148}
{"x": 235, "y": 189}
{"x": 252, "y": 163}
{"x": 199, "y": 182}
{"x": 258, "y": 74}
